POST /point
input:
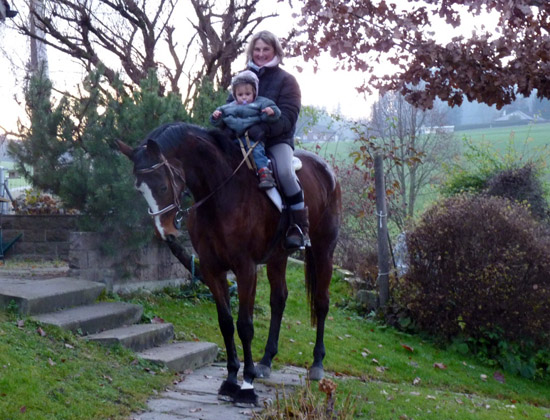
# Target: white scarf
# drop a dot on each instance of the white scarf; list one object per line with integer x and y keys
{"x": 273, "y": 63}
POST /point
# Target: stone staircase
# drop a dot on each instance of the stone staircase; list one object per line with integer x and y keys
{"x": 71, "y": 304}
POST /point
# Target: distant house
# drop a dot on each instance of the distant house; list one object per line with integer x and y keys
{"x": 439, "y": 129}
{"x": 516, "y": 116}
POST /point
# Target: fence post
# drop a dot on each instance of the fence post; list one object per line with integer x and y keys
{"x": 382, "y": 216}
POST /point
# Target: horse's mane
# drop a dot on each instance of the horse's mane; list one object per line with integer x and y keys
{"x": 169, "y": 137}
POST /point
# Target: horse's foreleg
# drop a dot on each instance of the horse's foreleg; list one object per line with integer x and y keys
{"x": 245, "y": 329}
{"x": 230, "y": 386}
{"x": 279, "y": 293}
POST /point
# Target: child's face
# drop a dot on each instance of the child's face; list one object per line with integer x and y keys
{"x": 244, "y": 94}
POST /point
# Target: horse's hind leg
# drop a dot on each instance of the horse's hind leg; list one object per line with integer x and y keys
{"x": 276, "y": 273}
{"x": 319, "y": 270}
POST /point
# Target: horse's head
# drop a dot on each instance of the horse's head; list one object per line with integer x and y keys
{"x": 160, "y": 182}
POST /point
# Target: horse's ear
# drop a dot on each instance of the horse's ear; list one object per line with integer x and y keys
{"x": 124, "y": 148}
{"x": 153, "y": 147}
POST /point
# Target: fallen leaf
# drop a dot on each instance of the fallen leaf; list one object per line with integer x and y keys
{"x": 407, "y": 347}
{"x": 340, "y": 338}
{"x": 330, "y": 318}
{"x": 366, "y": 350}
{"x": 364, "y": 354}
{"x": 414, "y": 393}
{"x": 381, "y": 369}
{"x": 440, "y": 366}
{"x": 20, "y": 323}
{"x": 23, "y": 409}
{"x": 458, "y": 401}
{"x": 376, "y": 362}
{"x": 416, "y": 380}
{"x": 51, "y": 362}
{"x": 292, "y": 340}
{"x": 483, "y": 377}
{"x": 157, "y": 320}
{"x": 430, "y": 397}
{"x": 69, "y": 346}
{"x": 347, "y": 336}
{"x": 108, "y": 378}
{"x": 41, "y": 332}
{"x": 499, "y": 377}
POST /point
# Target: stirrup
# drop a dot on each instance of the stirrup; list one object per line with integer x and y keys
{"x": 299, "y": 234}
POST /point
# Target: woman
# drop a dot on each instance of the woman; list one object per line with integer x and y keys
{"x": 264, "y": 55}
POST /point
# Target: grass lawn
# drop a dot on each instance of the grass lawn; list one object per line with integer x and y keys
{"x": 50, "y": 374}
{"x": 390, "y": 374}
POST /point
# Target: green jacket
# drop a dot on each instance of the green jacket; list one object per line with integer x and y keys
{"x": 240, "y": 117}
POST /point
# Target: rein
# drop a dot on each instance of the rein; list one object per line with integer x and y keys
{"x": 176, "y": 204}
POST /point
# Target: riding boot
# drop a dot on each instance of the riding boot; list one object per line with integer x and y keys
{"x": 297, "y": 236}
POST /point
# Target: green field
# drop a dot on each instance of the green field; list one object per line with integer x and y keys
{"x": 524, "y": 142}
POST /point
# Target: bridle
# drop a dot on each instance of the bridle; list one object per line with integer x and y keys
{"x": 172, "y": 172}
{"x": 180, "y": 214}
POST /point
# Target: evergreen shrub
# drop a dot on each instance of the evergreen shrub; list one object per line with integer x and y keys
{"x": 69, "y": 150}
{"x": 479, "y": 264}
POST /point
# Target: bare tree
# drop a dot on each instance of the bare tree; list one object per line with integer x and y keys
{"x": 419, "y": 140}
{"x": 130, "y": 36}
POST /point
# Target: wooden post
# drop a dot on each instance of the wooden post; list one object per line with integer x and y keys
{"x": 382, "y": 223}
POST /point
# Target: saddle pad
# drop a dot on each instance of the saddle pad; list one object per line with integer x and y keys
{"x": 274, "y": 194}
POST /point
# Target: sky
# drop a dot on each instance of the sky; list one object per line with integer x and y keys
{"x": 325, "y": 89}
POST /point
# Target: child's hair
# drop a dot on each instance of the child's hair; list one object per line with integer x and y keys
{"x": 245, "y": 77}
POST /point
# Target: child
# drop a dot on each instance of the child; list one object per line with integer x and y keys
{"x": 246, "y": 110}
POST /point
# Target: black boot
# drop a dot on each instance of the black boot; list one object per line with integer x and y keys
{"x": 297, "y": 235}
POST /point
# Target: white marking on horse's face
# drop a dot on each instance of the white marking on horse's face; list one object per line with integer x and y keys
{"x": 148, "y": 195}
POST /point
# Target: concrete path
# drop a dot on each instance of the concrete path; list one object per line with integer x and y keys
{"x": 195, "y": 397}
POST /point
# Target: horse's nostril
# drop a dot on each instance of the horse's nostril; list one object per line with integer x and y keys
{"x": 170, "y": 238}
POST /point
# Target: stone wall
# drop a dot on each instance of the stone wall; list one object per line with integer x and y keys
{"x": 42, "y": 236}
{"x": 151, "y": 267}
{"x": 56, "y": 237}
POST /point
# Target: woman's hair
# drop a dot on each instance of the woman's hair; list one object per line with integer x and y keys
{"x": 270, "y": 39}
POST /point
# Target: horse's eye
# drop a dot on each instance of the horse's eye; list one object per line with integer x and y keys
{"x": 163, "y": 189}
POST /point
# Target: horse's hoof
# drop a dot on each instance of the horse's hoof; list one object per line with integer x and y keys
{"x": 246, "y": 398}
{"x": 228, "y": 391}
{"x": 262, "y": 371}
{"x": 316, "y": 373}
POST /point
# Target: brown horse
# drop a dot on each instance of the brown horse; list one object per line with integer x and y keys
{"x": 232, "y": 226}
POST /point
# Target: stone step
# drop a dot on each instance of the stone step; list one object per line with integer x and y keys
{"x": 94, "y": 318}
{"x": 136, "y": 337}
{"x": 181, "y": 356}
{"x": 41, "y": 296}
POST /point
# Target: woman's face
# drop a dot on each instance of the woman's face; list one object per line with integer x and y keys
{"x": 263, "y": 53}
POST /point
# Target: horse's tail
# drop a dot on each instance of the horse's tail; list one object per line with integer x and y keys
{"x": 310, "y": 273}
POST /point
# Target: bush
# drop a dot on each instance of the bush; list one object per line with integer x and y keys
{"x": 522, "y": 185}
{"x": 69, "y": 150}
{"x": 479, "y": 264}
